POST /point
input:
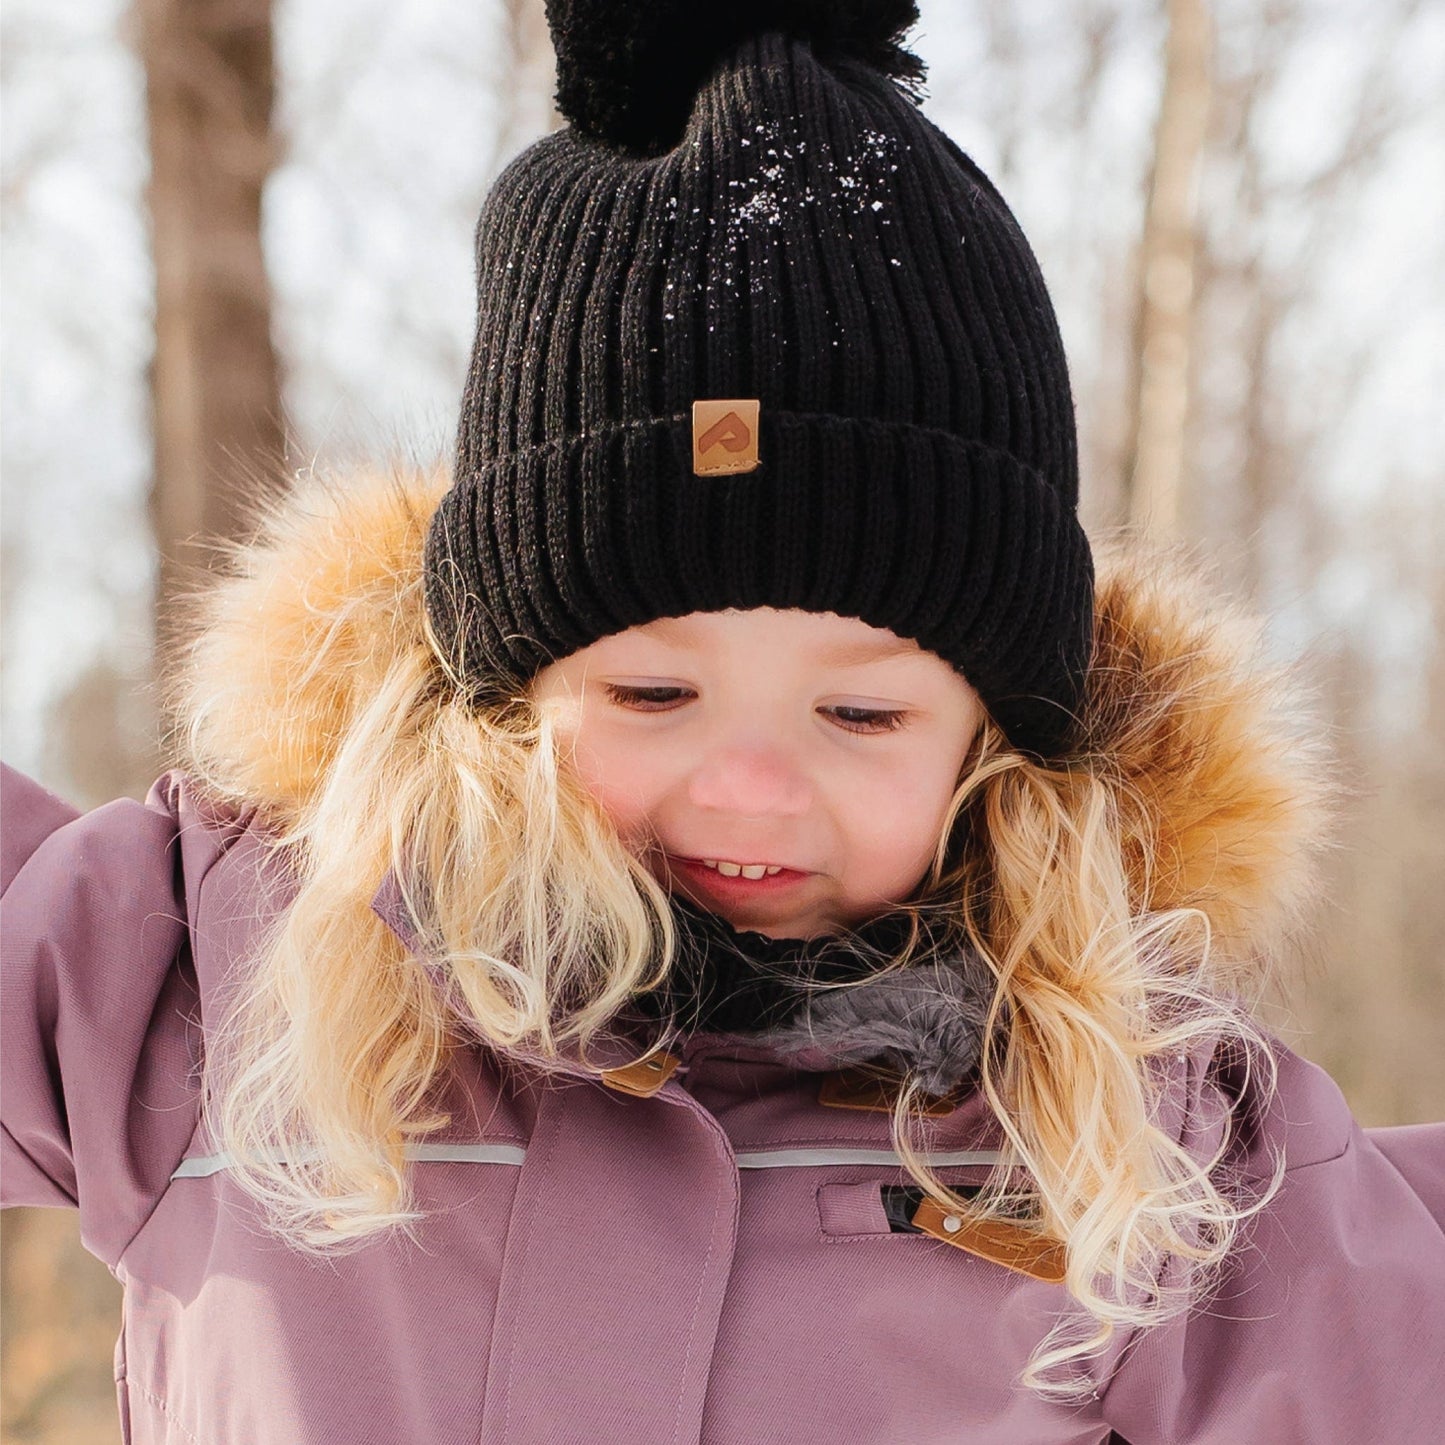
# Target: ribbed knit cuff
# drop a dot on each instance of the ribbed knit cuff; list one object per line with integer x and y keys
{"x": 947, "y": 541}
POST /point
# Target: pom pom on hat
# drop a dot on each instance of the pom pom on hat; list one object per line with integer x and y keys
{"x": 629, "y": 70}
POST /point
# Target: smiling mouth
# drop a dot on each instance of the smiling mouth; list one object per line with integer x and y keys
{"x": 734, "y": 870}
{"x": 722, "y": 871}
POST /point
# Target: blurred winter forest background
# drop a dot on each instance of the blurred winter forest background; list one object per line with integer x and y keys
{"x": 237, "y": 231}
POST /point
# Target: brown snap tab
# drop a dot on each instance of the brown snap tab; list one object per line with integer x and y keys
{"x": 996, "y": 1240}
{"x": 643, "y": 1077}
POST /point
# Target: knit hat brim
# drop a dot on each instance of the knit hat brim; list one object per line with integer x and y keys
{"x": 932, "y": 536}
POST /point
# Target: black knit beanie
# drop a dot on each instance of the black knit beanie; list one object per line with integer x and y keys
{"x": 752, "y": 332}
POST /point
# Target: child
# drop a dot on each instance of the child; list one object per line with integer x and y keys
{"x": 715, "y": 923}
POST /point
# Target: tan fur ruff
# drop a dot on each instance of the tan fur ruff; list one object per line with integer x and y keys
{"x": 1228, "y": 785}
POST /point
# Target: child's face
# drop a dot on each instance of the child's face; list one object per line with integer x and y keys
{"x": 791, "y": 738}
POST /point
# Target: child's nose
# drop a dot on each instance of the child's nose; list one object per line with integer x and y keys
{"x": 752, "y": 781}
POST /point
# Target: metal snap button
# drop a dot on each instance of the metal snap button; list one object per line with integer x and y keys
{"x": 952, "y": 1223}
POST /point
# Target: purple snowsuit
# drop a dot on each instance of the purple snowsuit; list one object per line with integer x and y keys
{"x": 711, "y": 1263}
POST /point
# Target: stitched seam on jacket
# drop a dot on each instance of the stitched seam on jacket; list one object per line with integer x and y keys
{"x": 169, "y": 1181}
{"x": 162, "y": 1407}
{"x": 526, "y": 1257}
{"x": 766, "y": 1146}
{"x": 715, "y": 1133}
{"x": 915, "y": 1241}
{"x": 1328, "y": 1159}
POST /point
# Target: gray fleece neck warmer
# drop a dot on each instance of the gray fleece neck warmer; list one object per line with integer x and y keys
{"x": 823, "y": 1003}
{"x": 829, "y": 999}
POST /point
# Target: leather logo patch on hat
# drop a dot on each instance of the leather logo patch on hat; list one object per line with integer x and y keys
{"x": 724, "y": 437}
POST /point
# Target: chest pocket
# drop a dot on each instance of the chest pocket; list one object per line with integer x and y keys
{"x": 870, "y": 1208}
{"x": 899, "y": 1203}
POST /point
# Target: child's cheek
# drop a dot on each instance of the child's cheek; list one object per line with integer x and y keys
{"x": 619, "y": 781}
{"x": 896, "y": 828}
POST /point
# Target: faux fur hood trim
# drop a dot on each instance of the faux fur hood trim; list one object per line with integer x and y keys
{"x": 1218, "y": 744}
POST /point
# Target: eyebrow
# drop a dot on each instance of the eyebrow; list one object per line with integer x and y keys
{"x": 848, "y": 654}
{"x": 855, "y": 654}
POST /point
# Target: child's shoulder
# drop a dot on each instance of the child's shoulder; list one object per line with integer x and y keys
{"x": 120, "y": 925}
{"x": 1286, "y": 1115}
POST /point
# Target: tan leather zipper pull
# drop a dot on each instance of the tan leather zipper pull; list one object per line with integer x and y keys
{"x": 1010, "y": 1245}
{"x": 644, "y": 1077}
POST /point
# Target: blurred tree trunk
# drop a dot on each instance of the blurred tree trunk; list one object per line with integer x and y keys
{"x": 1159, "y": 394}
{"x": 215, "y": 380}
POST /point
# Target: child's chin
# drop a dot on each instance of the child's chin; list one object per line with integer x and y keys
{"x": 769, "y": 922}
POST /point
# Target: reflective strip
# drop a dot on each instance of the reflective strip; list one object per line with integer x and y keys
{"x": 202, "y": 1166}
{"x": 467, "y": 1153}
{"x": 812, "y": 1158}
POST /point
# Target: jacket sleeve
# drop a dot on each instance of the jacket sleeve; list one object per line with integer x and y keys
{"x": 1328, "y": 1324}
{"x": 98, "y": 1016}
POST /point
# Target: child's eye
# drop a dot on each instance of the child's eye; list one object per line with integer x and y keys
{"x": 645, "y": 699}
{"x": 664, "y": 699}
{"x": 867, "y": 719}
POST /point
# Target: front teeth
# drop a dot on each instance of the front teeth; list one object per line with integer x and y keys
{"x": 749, "y": 870}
